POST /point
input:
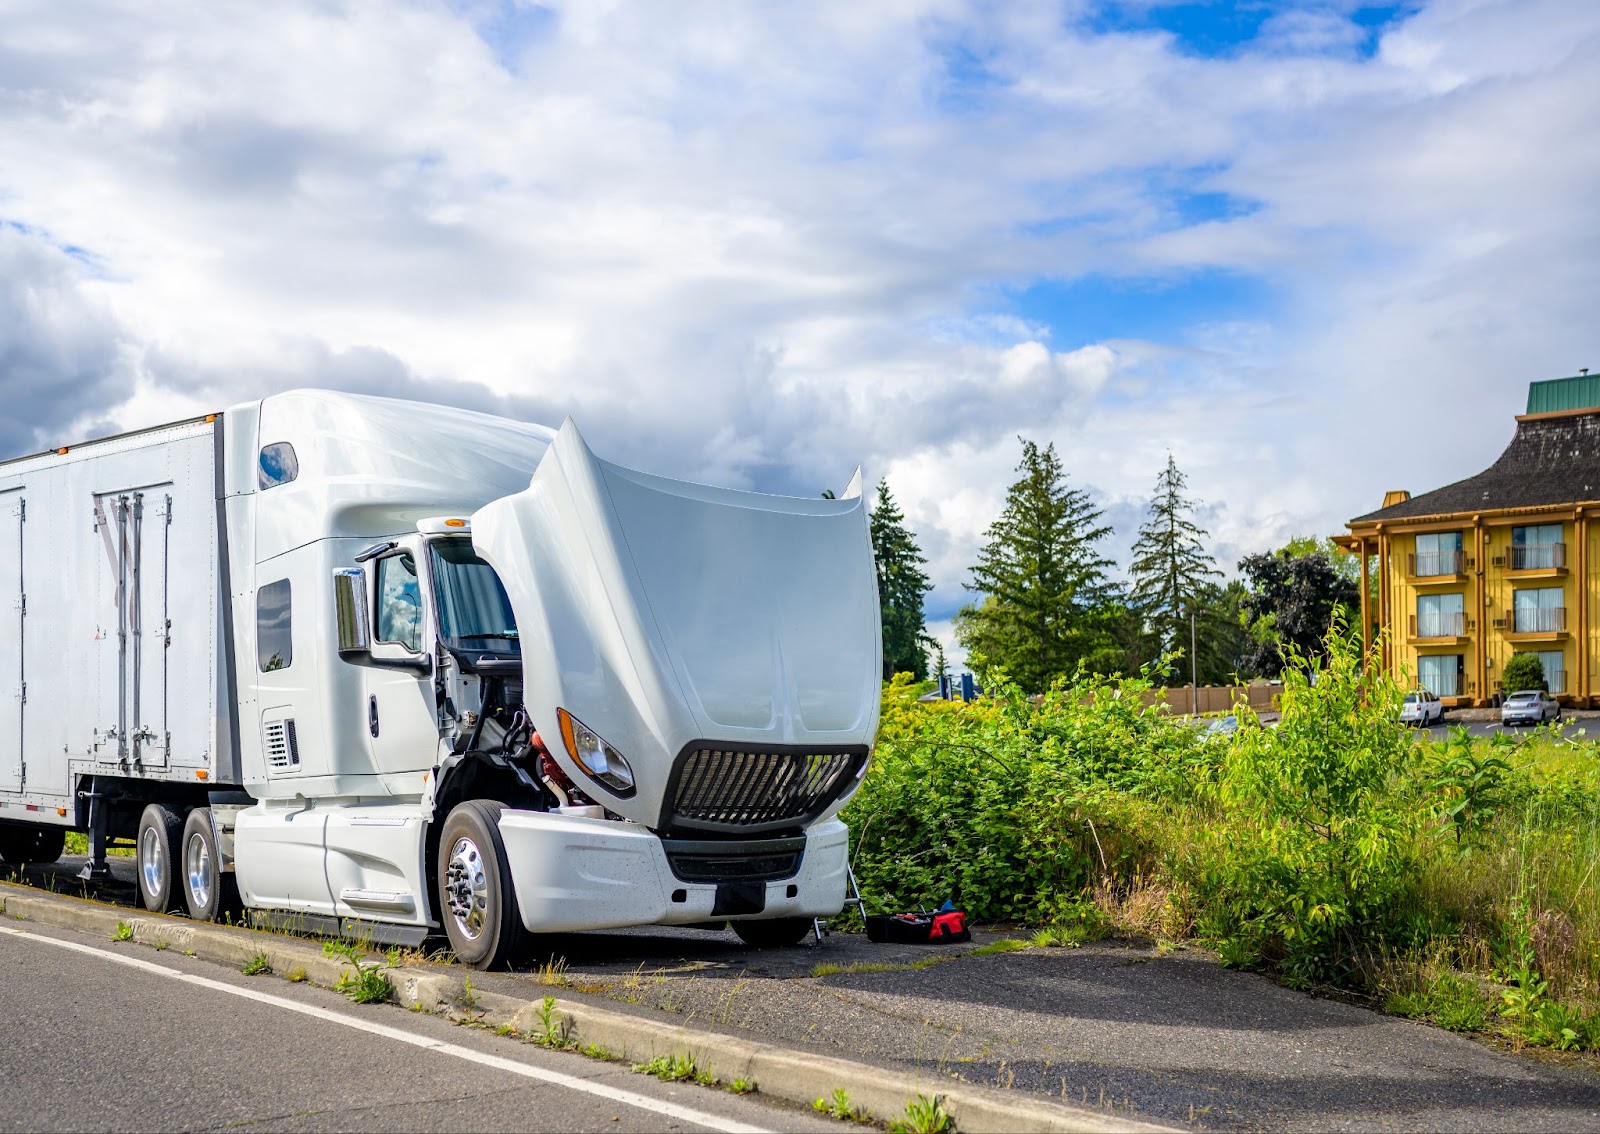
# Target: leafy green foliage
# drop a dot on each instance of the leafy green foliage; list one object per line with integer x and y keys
{"x": 1522, "y": 671}
{"x": 1292, "y": 605}
{"x": 258, "y": 964}
{"x": 1170, "y": 566}
{"x": 902, "y": 585}
{"x": 1470, "y": 782}
{"x": 1043, "y": 582}
{"x": 123, "y": 932}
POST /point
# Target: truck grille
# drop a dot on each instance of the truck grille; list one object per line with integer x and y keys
{"x": 724, "y": 789}
{"x": 705, "y": 860}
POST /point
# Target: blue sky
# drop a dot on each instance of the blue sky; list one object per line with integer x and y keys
{"x": 1314, "y": 250}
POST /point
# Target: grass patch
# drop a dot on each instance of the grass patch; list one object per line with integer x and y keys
{"x": 296, "y": 975}
{"x": 258, "y": 964}
{"x": 839, "y": 1105}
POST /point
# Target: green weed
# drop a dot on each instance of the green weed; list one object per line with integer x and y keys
{"x": 676, "y": 1069}
{"x": 838, "y": 1105}
{"x": 555, "y": 1028}
{"x": 742, "y": 1086}
{"x": 258, "y": 963}
{"x": 365, "y": 984}
{"x": 923, "y": 1115}
{"x": 296, "y": 975}
{"x": 123, "y": 932}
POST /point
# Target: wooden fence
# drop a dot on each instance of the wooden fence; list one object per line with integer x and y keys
{"x": 1183, "y": 699}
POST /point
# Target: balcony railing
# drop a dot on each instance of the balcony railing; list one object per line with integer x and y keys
{"x": 1538, "y": 557}
{"x": 1450, "y": 625}
{"x": 1545, "y": 620}
{"x": 1427, "y": 564}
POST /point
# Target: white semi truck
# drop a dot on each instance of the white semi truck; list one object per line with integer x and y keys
{"x": 396, "y": 668}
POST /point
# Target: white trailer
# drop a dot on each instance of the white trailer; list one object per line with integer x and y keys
{"x": 404, "y": 669}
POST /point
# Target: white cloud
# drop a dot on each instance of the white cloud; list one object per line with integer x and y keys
{"x": 759, "y": 244}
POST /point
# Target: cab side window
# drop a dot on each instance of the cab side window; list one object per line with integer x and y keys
{"x": 399, "y": 603}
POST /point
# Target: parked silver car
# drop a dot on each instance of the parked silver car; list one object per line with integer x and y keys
{"x": 1531, "y": 706}
{"x": 1422, "y": 708}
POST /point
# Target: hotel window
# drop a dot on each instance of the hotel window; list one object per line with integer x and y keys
{"x": 1438, "y": 553}
{"x": 1441, "y": 674}
{"x": 1540, "y": 610}
{"x": 1441, "y": 616}
{"x": 1537, "y": 546}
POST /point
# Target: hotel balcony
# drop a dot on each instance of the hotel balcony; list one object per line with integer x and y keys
{"x": 1437, "y": 567}
{"x": 1534, "y": 561}
{"x": 1440, "y": 629}
{"x": 1544, "y": 625}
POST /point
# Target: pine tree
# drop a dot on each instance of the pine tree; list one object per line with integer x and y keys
{"x": 1042, "y": 579}
{"x": 902, "y": 585}
{"x": 1170, "y": 567}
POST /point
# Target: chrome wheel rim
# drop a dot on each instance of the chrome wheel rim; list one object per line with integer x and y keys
{"x": 197, "y": 864}
{"x": 153, "y": 862}
{"x": 466, "y": 887}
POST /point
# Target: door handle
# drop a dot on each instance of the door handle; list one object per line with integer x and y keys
{"x": 372, "y": 714}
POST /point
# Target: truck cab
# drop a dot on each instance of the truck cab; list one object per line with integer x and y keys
{"x": 488, "y": 684}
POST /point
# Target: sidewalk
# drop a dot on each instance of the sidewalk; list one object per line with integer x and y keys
{"x": 1160, "y": 1037}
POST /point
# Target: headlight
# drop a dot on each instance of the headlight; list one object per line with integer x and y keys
{"x": 601, "y": 762}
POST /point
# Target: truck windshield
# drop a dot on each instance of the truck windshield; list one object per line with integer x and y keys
{"x": 474, "y": 612}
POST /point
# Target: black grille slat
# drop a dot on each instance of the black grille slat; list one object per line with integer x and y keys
{"x": 720, "y": 788}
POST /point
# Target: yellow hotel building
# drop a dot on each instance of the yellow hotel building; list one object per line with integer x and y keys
{"x": 1504, "y": 562}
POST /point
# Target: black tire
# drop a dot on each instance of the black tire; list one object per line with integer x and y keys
{"x": 775, "y": 933}
{"x": 21, "y": 845}
{"x": 209, "y": 892}
{"x": 477, "y": 899}
{"x": 157, "y": 857}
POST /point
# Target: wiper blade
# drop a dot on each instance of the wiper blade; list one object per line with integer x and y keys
{"x": 502, "y": 637}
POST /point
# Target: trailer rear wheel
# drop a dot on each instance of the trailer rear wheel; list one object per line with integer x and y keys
{"x": 208, "y": 890}
{"x": 159, "y": 854}
{"x": 477, "y": 900}
{"x": 22, "y": 845}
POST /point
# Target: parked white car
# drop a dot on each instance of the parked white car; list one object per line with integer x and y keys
{"x": 1531, "y": 706}
{"x": 1422, "y": 709}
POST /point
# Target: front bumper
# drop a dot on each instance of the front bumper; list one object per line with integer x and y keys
{"x": 574, "y": 874}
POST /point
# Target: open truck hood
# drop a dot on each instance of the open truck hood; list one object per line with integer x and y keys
{"x": 686, "y": 624}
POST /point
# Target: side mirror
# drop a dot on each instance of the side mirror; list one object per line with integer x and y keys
{"x": 350, "y": 604}
{"x": 350, "y": 610}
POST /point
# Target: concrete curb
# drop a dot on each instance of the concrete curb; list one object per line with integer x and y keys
{"x": 793, "y": 1076}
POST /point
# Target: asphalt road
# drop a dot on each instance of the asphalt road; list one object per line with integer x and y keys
{"x": 94, "y": 1043}
{"x": 1569, "y": 726}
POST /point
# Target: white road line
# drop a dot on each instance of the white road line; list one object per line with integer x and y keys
{"x": 570, "y": 1082}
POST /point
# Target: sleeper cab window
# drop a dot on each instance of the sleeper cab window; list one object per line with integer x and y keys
{"x": 274, "y": 642}
{"x": 278, "y": 464}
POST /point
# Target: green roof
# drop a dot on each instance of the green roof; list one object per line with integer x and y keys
{"x": 1560, "y": 395}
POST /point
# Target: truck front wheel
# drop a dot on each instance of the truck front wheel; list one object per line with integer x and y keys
{"x": 477, "y": 900}
{"x": 775, "y": 933}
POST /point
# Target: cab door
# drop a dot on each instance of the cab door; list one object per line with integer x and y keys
{"x": 401, "y": 710}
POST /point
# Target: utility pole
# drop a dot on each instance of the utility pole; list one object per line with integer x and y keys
{"x": 1194, "y": 668}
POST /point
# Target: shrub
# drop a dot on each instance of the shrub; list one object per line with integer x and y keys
{"x": 1523, "y": 671}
